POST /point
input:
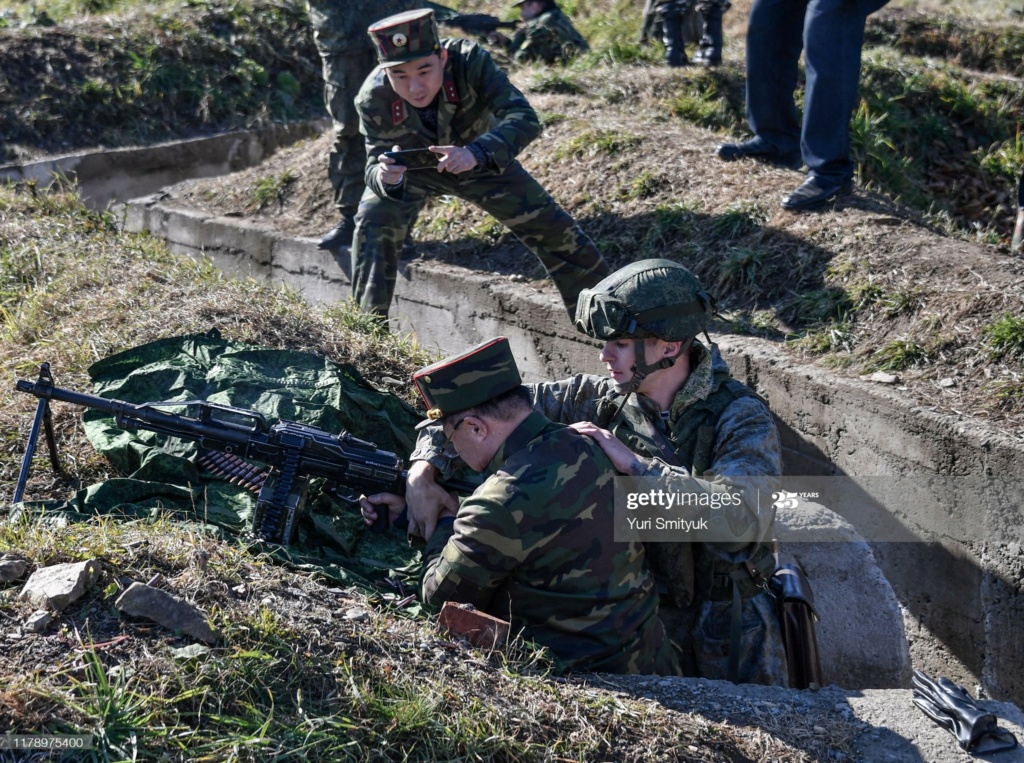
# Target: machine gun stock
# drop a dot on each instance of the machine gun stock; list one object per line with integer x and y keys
{"x": 292, "y": 452}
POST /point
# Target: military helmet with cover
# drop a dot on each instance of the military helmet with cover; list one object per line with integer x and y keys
{"x": 654, "y": 298}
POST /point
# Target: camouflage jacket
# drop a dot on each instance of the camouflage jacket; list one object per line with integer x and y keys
{"x": 339, "y": 29}
{"x": 477, "y": 104}
{"x": 744, "y": 444}
{"x": 550, "y": 38}
{"x": 534, "y": 545}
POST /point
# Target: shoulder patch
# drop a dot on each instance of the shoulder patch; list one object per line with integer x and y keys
{"x": 451, "y": 93}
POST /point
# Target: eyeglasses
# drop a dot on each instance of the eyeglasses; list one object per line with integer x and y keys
{"x": 448, "y": 437}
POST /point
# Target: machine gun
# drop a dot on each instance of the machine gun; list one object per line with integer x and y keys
{"x": 476, "y": 23}
{"x": 292, "y": 452}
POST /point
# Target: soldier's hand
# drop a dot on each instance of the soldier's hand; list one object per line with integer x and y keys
{"x": 454, "y": 159}
{"x": 370, "y": 505}
{"x": 623, "y": 459}
{"x": 427, "y": 501}
{"x": 391, "y": 172}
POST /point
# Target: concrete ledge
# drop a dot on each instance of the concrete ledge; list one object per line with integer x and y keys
{"x": 112, "y": 176}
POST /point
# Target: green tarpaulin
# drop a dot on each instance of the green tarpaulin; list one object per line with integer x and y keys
{"x": 161, "y": 476}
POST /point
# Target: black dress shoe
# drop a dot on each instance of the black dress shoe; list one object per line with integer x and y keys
{"x": 340, "y": 235}
{"x": 816, "y": 192}
{"x": 755, "y": 149}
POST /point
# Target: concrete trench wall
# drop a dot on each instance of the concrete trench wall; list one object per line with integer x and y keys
{"x": 959, "y": 602}
{"x": 109, "y": 176}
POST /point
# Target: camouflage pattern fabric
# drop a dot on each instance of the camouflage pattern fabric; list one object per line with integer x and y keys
{"x": 533, "y": 545}
{"x": 651, "y": 25}
{"x": 745, "y": 445}
{"x": 347, "y": 56}
{"x": 469, "y": 379}
{"x": 477, "y": 104}
{"x": 665, "y": 8}
{"x": 550, "y": 38}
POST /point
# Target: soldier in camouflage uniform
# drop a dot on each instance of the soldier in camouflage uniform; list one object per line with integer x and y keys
{"x": 347, "y": 56}
{"x": 450, "y": 97}
{"x": 534, "y": 543}
{"x": 669, "y": 410}
{"x": 547, "y": 35}
{"x": 673, "y": 15}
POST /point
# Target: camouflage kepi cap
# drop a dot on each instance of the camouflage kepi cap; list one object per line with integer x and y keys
{"x": 405, "y": 37}
{"x": 467, "y": 380}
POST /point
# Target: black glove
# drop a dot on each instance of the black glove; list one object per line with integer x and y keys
{"x": 955, "y": 710}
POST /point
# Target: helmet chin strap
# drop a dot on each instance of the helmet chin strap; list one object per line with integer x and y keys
{"x": 641, "y": 370}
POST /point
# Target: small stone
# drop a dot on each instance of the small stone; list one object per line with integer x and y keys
{"x": 819, "y": 730}
{"x": 947, "y": 382}
{"x": 11, "y": 569}
{"x": 882, "y": 378}
{"x": 357, "y": 614}
{"x": 39, "y": 621}
{"x": 190, "y": 652}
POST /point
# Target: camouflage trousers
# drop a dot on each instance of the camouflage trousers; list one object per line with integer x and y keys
{"x": 346, "y": 162}
{"x": 669, "y": 8}
{"x": 703, "y": 633}
{"x": 513, "y": 197}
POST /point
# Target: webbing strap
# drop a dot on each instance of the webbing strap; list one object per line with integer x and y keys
{"x": 737, "y": 624}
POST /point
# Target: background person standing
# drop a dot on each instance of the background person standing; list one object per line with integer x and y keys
{"x": 830, "y": 33}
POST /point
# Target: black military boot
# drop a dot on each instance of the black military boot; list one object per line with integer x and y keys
{"x": 672, "y": 36}
{"x": 340, "y": 235}
{"x": 710, "y": 51}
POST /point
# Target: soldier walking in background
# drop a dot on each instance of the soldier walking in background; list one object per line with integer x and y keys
{"x": 346, "y": 53}
{"x": 450, "y": 98}
{"x": 547, "y": 36}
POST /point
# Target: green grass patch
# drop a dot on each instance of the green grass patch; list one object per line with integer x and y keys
{"x": 738, "y": 219}
{"x": 741, "y": 268}
{"x": 834, "y": 337}
{"x": 817, "y": 305}
{"x": 897, "y": 355}
{"x": 593, "y": 142}
{"x": 711, "y": 98}
{"x": 270, "y": 190}
{"x": 672, "y": 222}
{"x": 644, "y": 186}
{"x": 555, "y": 81}
{"x": 1005, "y": 336}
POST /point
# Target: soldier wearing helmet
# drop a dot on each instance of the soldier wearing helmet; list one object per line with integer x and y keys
{"x": 668, "y": 409}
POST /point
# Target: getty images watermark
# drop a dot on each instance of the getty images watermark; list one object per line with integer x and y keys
{"x": 821, "y": 509}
